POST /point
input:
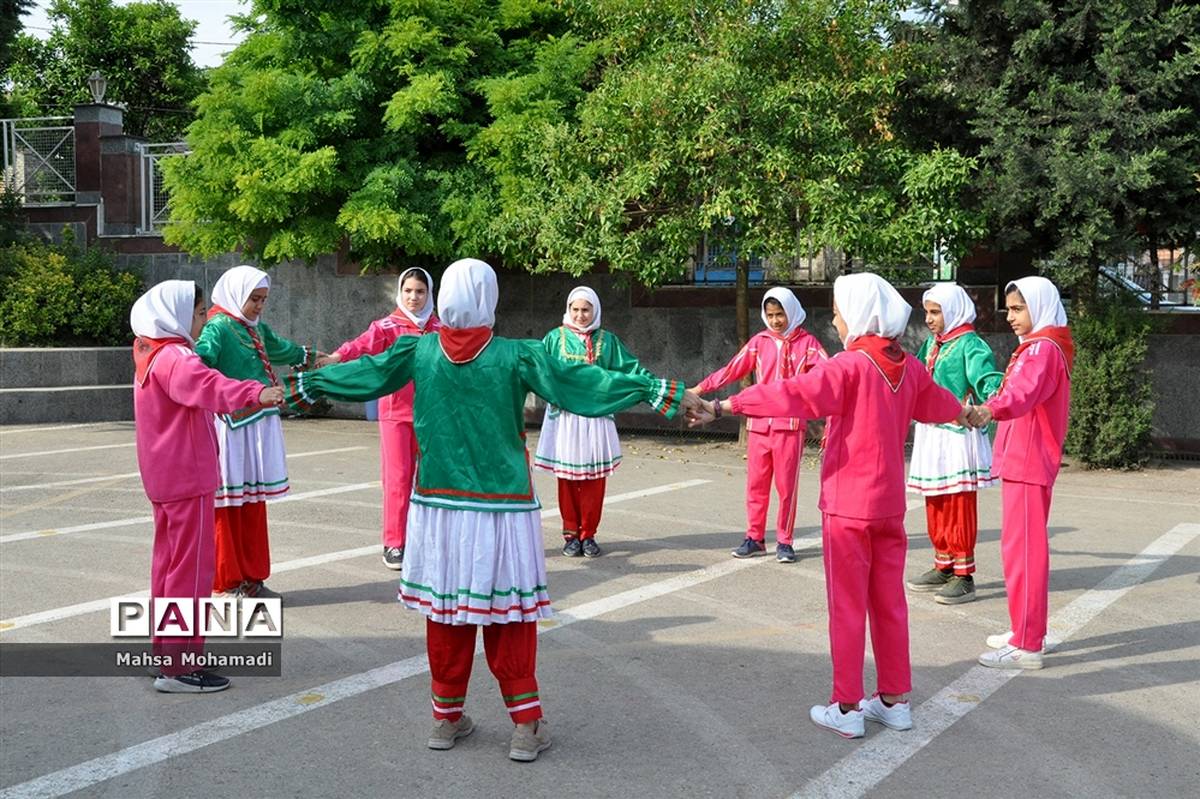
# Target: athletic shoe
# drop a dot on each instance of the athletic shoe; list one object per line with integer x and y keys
{"x": 591, "y": 549}
{"x": 960, "y": 589}
{"x": 931, "y": 580}
{"x": 446, "y": 732}
{"x": 573, "y": 548}
{"x": 198, "y": 682}
{"x": 258, "y": 589}
{"x": 999, "y": 640}
{"x": 750, "y": 549}
{"x": 896, "y": 717}
{"x": 1011, "y": 657}
{"x": 784, "y": 553}
{"x": 831, "y": 717}
{"x": 393, "y": 558}
{"x": 528, "y": 740}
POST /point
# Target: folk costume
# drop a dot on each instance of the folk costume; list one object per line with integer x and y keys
{"x": 774, "y": 445}
{"x": 870, "y": 393}
{"x": 253, "y": 461}
{"x": 397, "y": 441}
{"x": 582, "y": 451}
{"x": 1031, "y": 407}
{"x": 174, "y": 398}
{"x": 475, "y": 551}
{"x": 949, "y": 462}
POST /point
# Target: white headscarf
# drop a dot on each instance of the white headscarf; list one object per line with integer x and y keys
{"x": 791, "y": 307}
{"x": 1041, "y": 297}
{"x": 870, "y": 305}
{"x": 421, "y": 317}
{"x": 468, "y": 295}
{"x": 165, "y": 311}
{"x": 583, "y": 293}
{"x": 957, "y": 306}
{"x": 233, "y": 289}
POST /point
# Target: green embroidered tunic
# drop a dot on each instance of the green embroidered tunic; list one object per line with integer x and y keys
{"x": 469, "y": 417}
{"x": 965, "y": 367}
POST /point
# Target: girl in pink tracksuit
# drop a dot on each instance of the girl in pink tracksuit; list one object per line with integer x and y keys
{"x": 870, "y": 393}
{"x": 397, "y": 442}
{"x": 1031, "y": 407}
{"x": 774, "y": 444}
{"x": 174, "y": 398}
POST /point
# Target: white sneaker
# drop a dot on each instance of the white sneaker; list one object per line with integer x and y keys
{"x": 831, "y": 717}
{"x": 896, "y": 717}
{"x": 1000, "y": 640}
{"x": 1011, "y": 657}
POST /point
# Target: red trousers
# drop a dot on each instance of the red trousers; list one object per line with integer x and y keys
{"x": 511, "y": 651}
{"x": 243, "y": 551}
{"x": 774, "y": 455}
{"x": 182, "y": 565}
{"x": 580, "y": 502}
{"x": 953, "y": 524}
{"x": 1025, "y": 550}
{"x": 864, "y": 578}
{"x": 397, "y": 466}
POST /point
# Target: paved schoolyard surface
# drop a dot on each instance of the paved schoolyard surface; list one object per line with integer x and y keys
{"x": 672, "y": 670}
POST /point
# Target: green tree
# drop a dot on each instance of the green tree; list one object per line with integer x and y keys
{"x": 141, "y": 49}
{"x": 344, "y": 125}
{"x": 1085, "y": 121}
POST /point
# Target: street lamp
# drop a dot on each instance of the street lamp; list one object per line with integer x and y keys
{"x": 96, "y": 85}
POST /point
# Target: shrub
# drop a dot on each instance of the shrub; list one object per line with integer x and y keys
{"x": 62, "y": 295}
{"x": 1111, "y": 400}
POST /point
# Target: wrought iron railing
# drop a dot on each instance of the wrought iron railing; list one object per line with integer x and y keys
{"x": 153, "y": 193}
{"x": 39, "y": 159}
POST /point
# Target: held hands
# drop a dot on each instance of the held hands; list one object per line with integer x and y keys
{"x": 325, "y": 359}
{"x": 271, "y": 396}
{"x": 704, "y": 413}
{"x": 975, "y": 416}
{"x": 691, "y": 402}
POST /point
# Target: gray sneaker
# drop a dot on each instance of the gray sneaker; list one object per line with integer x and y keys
{"x": 573, "y": 548}
{"x": 750, "y": 549}
{"x": 932, "y": 580}
{"x": 446, "y": 732}
{"x": 259, "y": 590}
{"x": 591, "y": 549}
{"x": 529, "y": 740}
{"x": 393, "y": 558}
{"x": 784, "y": 553}
{"x": 960, "y": 589}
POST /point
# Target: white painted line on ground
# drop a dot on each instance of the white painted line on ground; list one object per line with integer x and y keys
{"x": 876, "y": 759}
{"x": 127, "y": 475}
{"x": 98, "y": 605}
{"x": 55, "y": 427}
{"x": 83, "y": 528}
{"x": 64, "y": 451}
{"x": 157, "y": 750}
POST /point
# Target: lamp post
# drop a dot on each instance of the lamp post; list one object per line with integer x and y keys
{"x": 96, "y": 85}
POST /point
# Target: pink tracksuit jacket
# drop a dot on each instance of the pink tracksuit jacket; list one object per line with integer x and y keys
{"x": 382, "y": 334}
{"x": 1032, "y": 411}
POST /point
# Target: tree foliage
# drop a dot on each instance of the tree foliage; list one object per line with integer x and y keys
{"x": 1085, "y": 120}
{"x": 141, "y": 49}
{"x": 345, "y": 124}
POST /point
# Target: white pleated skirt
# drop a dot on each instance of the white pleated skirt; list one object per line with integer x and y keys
{"x": 253, "y": 462}
{"x": 577, "y": 447}
{"x": 475, "y": 567}
{"x": 949, "y": 459}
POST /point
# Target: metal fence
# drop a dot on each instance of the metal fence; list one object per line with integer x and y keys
{"x": 1174, "y": 278}
{"x": 154, "y": 199}
{"x": 39, "y": 159}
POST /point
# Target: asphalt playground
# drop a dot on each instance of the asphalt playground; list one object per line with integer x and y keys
{"x": 670, "y": 670}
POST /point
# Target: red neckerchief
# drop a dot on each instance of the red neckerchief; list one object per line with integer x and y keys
{"x": 463, "y": 344}
{"x": 885, "y": 353}
{"x": 1060, "y": 337}
{"x": 945, "y": 338}
{"x": 258, "y": 345}
{"x": 145, "y": 350}
{"x": 431, "y": 324}
{"x": 787, "y": 362}
{"x": 589, "y": 352}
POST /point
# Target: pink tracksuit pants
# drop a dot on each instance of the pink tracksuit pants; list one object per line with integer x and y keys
{"x": 182, "y": 564}
{"x": 398, "y": 464}
{"x": 772, "y": 455}
{"x": 864, "y": 578}
{"x": 1025, "y": 551}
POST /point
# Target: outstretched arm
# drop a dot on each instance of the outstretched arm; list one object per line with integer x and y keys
{"x": 588, "y": 390}
{"x": 737, "y": 368}
{"x": 366, "y": 378}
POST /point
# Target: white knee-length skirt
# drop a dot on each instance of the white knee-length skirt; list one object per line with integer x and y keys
{"x": 576, "y": 447}
{"x": 253, "y": 462}
{"x": 949, "y": 459}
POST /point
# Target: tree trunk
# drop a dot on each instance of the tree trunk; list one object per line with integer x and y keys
{"x": 742, "y": 309}
{"x": 1155, "y": 276}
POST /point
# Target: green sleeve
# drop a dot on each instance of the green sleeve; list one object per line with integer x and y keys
{"x": 923, "y": 352}
{"x": 550, "y": 341}
{"x": 208, "y": 346}
{"x": 980, "y": 365}
{"x": 589, "y": 390}
{"x": 359, "y": 380}
{"x": 282, "y": 350}
{"x": 622, "y": 360}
